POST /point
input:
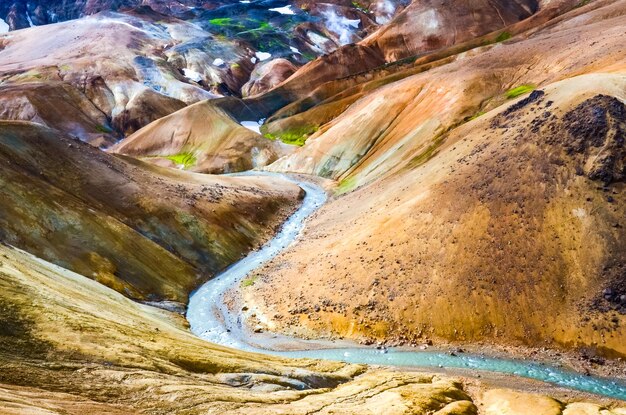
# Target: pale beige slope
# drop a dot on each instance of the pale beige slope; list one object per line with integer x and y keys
{"x": 216, "y": 142}
{"x": 71, "y": 346}
{"x": 509, "y": 402}
{"x": 66, "y": 339}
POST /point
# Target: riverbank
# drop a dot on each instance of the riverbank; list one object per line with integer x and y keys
{"x": 215, "y": 320}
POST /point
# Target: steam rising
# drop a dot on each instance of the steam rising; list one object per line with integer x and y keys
{"x": 384, "y": 11}
{"x": 341, "y": 26}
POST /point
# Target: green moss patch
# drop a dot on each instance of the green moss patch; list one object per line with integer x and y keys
{"x": 103, "y": 129}
{"x": 295, "y": 136}
{"x": 519, "y": 90}
{"x": 222, "y": 21}
{"x": 346, "y": 185}
{"x": 473, "y": 117}
{"x": 360, "y": 7}
{"x": 248, "y": 282}
{"x": 428, "y": 153}
{"x": 503, "y": 36}
{"x": 183, "y": 159}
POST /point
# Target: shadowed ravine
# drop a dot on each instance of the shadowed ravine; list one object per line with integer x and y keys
{"x": 211, "y": 320}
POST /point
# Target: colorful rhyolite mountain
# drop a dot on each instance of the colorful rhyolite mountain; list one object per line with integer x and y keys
{"x": 475, "y": 159}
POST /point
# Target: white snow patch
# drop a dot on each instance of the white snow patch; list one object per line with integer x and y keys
{"x": 107, "y": 20}
{"x": 319, "y": 42}
{"x": 283, "y": 10}
{"x": 341, "y": 25}
{"x": 192, "y": 75}
{"x": 295, "y": 50}
{"x": 4, "y": 26}
{"x": 263, "y": 56}
{"x": 30, "y": 21}
{"x": 579, "y": 212}
{"x": 253, "y": 125}
{"x": 218, "y": 62}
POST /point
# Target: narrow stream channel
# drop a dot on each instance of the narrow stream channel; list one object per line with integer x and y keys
{"x": 211, "y": 320}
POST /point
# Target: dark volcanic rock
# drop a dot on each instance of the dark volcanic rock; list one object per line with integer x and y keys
{"x": 597, "y": 128}
{"x": 510, "y": 114}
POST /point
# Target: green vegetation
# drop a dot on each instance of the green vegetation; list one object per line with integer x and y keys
{"x": 473, "y": 117}
{"x": 429, "y": 152}
{"x": 583, "y": 3}
{"x": 269, "y": 43}
{"x": 346, "y": 185}
{"x": 296, "y": 136}
{"x": 503, "y": 36}
{"x": 490, "y": 40}
{"x": 250, "y": 27}
{"x": 183, "y": 159}
{"x": 222, "y": 21}
{"x": 359, "y": 7}
{"x": 255, "y": 27}
{"x": 103, "y": 129}
{"x": 31, "y": 74}
{"x": 248, "y": 282}
{"x": 308, "y": 56}
{"x": 519, "y": 90}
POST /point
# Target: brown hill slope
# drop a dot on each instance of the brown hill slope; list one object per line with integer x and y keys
{"x": 433, "y": 24}
{"x": 458, "y": 26}
{"x": 147, "y": 232}
{"x": 399, "y": 120}
{"x": 312, "y": 108}
{"x": 478, "y": 217}
{"x": 519, "y": 213}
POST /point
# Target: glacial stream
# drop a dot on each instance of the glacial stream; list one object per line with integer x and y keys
{"x": 211, "y": 320}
